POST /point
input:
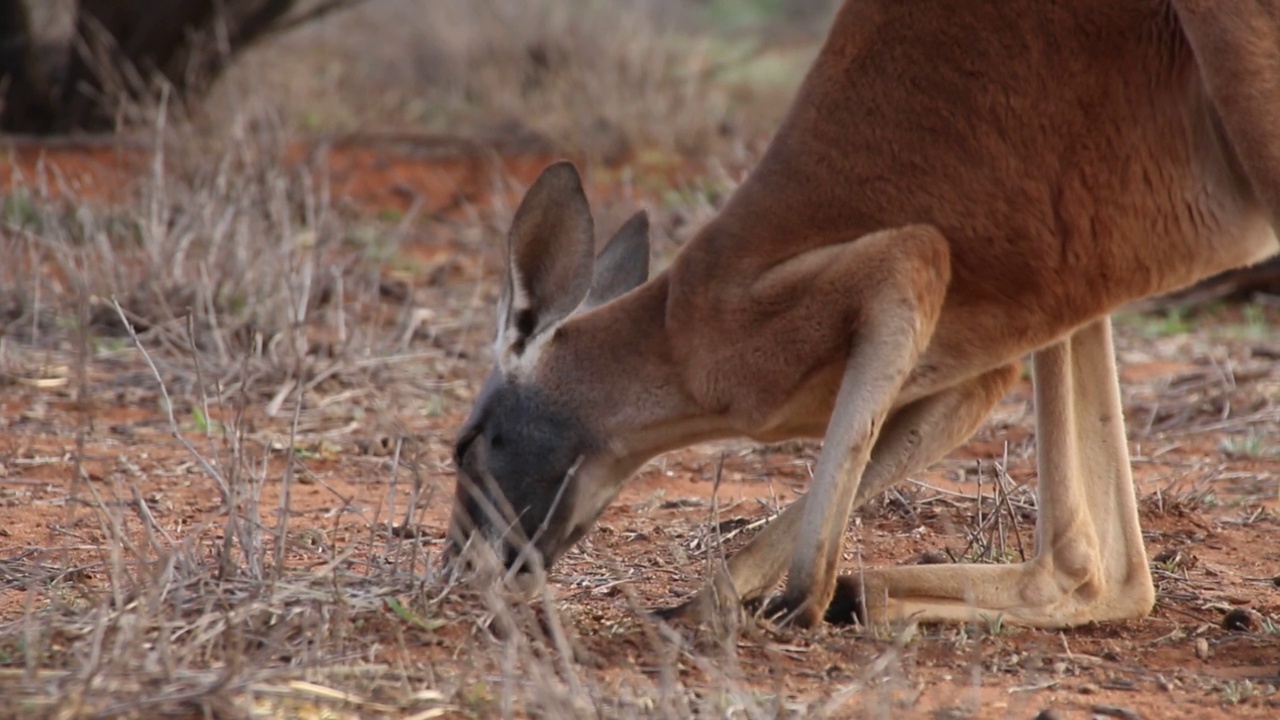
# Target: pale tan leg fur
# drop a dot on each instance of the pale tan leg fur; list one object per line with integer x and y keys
{"x": 914, "y": 437}
{"x": 904, "y": 272}
{"x": 1090, "y": 563}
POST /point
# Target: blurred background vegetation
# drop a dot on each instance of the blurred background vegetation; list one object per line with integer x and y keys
{"x": 597, "y": 76}
{"x": 607, "y": 81}
{"x": 134, "y": 129}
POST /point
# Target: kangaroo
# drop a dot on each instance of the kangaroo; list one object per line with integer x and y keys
{"x": 956, "y": 185}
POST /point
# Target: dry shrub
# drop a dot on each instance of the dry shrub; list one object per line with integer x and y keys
{"x": 601, "y": 78}
{"x": 225, "y": 250}
{"x": 596, "y": 75}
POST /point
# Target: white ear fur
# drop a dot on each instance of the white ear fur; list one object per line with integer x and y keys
{"x": 549, "y": 256}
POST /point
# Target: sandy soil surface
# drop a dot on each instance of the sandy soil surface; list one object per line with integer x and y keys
{"x": 1203, "y": 409}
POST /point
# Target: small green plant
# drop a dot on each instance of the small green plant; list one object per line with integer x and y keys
{"x": 399, "y": 609}
{"x": 1169, "y": 321}
{"x": 995, "y": 624}
{"x": 110, "y": 345}
{"x": 1235, "y": 693}
{"x": 1209, "y": 500}
{"x": 1255, "y": 321}
{"x": 435, "y": 406}
{"x": 11, "y": 653}
{"x": 198, "y": 417}
{"x": 1269, "y": 626}
{"x": 203, "y": 422}
{"x": 19, "y": 211}
{"x": 312, "y": 121}
{"x": 478, "y": 700}
{"x": 1252, "y": 445}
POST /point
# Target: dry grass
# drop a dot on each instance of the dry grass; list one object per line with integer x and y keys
{"x": 603, "y": 78}
{"x": 209, "y": 293}
{"x": 235, "y": 297}
{"x": 260, "y": 322}
{"x": 234, "y": 292}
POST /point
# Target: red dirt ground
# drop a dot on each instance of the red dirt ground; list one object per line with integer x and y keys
{"x": 1213, "y": 552}
{"x": 437, "y": 175}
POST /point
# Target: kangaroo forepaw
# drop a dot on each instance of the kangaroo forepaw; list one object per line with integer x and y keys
{"x": 845, "y": 607}
{"x": 793, "y": 611}
{"x": 707, "y": 623}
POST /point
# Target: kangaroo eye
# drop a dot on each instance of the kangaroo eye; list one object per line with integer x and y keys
{"x": 496, "y": 441}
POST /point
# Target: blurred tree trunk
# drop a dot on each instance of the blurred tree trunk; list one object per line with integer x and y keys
{"x": 26, "y": 93}
{"x": 123, "y": 50}
{"x": 123, "y": 45}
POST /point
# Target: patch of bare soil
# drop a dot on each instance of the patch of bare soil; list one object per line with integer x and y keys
{"x": 438, "y": 176}
{"x": 82, "y": 458}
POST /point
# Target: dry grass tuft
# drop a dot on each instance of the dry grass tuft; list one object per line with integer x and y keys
{"x": 602, "y": 79}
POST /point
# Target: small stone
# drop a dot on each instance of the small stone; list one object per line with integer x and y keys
{"x": 1051, "y": 714}
{"x": 1087, "y": 688}
{"x": 1202, "y": 648}
{"x": 932, "y": 557}
{"x": 1242, "y": 620}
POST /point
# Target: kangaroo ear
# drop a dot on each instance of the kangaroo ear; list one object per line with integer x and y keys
{"x": 623, "y": 264}
{"x": 548, "y": 255}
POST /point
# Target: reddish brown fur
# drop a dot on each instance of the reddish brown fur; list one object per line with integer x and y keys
{"x": 1018, "y": 171}
{"x": 1014, "y": 170}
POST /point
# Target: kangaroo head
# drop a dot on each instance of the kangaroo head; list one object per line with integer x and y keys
{"x": 535, "y": 463}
